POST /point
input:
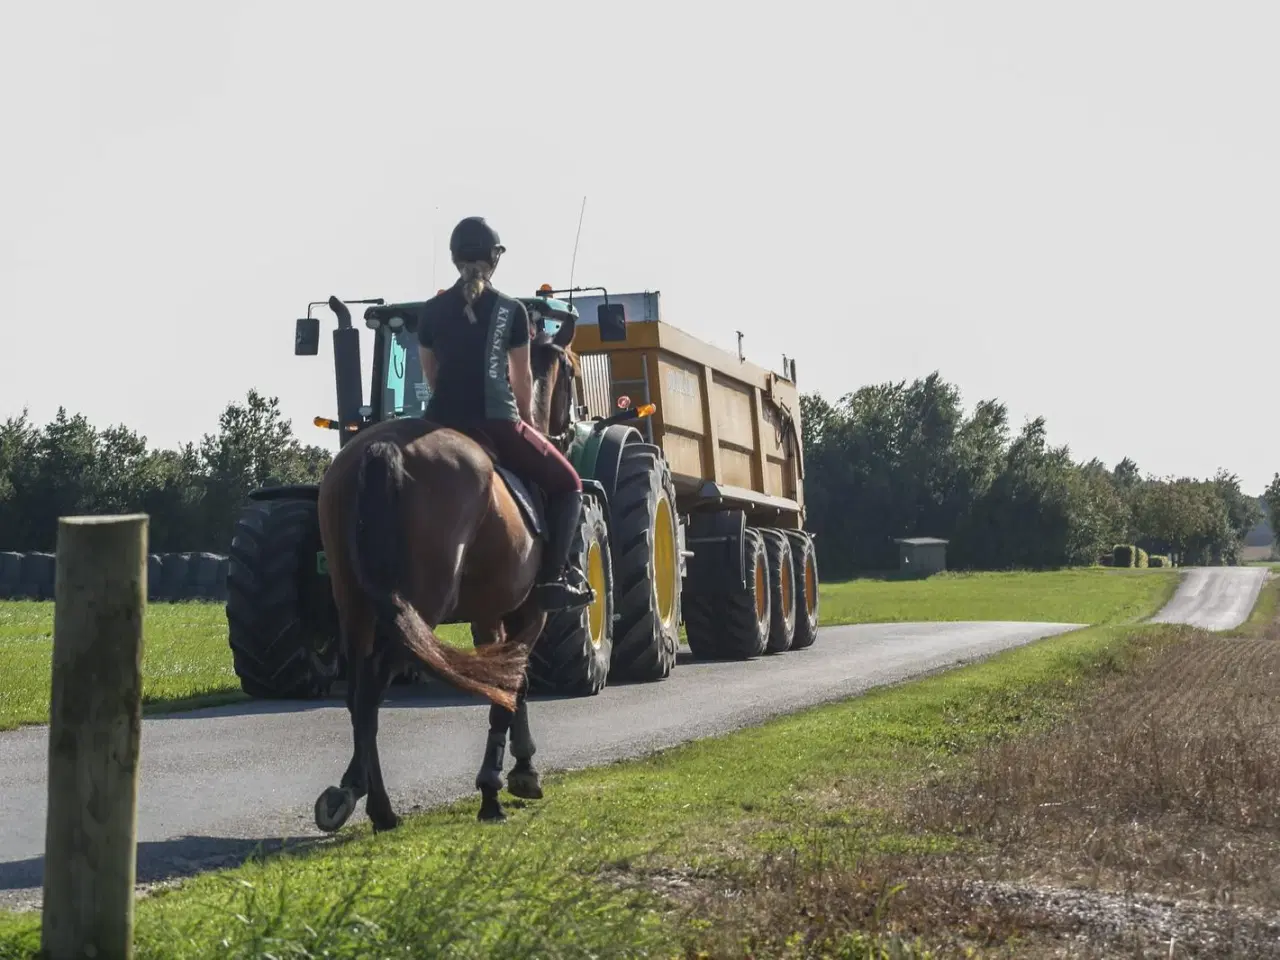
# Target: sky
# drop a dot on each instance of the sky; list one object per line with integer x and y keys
{"x": 1073, "y": 208}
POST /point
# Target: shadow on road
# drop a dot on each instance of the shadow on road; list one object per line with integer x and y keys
{"x": 169, "y": 859}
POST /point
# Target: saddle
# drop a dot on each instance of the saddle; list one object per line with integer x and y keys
{"x": 528, "y": 496}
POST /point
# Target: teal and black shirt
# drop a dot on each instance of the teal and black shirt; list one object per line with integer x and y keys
{"x": 473, "y": 382}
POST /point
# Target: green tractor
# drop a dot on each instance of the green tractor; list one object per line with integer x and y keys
{"x": 282, "y": 619}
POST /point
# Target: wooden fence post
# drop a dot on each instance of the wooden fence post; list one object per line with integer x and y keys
{"x": 95, "y": 726}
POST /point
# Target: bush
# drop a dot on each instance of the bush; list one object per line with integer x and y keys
{"x": 1143, "y": 559}
{"x": 1156, "y": 560}
{"x": 1123, "y": 555}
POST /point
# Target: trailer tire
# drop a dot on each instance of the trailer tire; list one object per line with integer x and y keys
{"x": 782, "y": 593}
{"x": 571, "y": 656}
{"x": 645, "y": 544}
{"x": 805, "y": 563}
{"x": 733, "y": 625}
{"x": 281, "y": 645}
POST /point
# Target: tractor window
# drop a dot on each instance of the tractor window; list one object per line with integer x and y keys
{"x": 404, "y": 391}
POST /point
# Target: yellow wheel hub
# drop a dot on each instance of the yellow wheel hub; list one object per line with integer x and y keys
{"x": 595, "y": 577}
{"x": 666, "y": 568}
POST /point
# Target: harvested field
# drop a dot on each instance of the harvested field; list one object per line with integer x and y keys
{"x": 1145, "y": 823}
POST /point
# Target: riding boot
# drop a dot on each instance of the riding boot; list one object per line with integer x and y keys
{"x": 555, "y": 592}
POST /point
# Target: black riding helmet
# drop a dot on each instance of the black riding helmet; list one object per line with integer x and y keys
{"x": 473, "y": 239}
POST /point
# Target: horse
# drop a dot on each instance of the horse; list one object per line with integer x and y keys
{"x": 418, "y": 527}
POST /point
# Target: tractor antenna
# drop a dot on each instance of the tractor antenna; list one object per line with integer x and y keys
{"x": 574, "y": 262}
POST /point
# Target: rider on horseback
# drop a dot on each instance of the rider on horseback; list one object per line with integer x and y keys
{"x": 473, "y": 342}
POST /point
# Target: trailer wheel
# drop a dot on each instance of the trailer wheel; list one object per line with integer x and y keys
{"x": 282, "y": 643}
{"x": 571, "y": 655}
{"x": 805, "y": 563}
{"x": 733, "y": 626}
{"x": 782, "y": 593}
{"x": 645, "y": 538}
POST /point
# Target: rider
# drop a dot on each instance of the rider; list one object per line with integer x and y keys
{"x": 473, "y": 342}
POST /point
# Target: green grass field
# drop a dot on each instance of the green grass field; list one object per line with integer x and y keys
{"x": 576, "y": 874}
{"x": 187, "y": 662}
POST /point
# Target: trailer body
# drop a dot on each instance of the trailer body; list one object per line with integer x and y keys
{"x": 729, "y": 429}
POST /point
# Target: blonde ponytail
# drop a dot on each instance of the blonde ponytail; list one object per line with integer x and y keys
{"x": 475, "y": 276}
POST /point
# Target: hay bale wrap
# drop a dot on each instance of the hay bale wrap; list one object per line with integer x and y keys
{"x": 155, "y": 570}
{"x": 39, "y": 570}
{"x": 174, "y": 575}
{"x": 1144, "y": 559}
{"x": 220, "y": 587}
{"x": 1123, "y": 555}
{"x": 203, "y": 575}
{"x": 10, "y": 572}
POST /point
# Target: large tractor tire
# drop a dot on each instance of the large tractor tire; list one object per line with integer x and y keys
{"x": 280, "y": 616}
{"x": 782, "y": 593}
{"x": 735, "y": 625}
{"x": 572, "y": 655}
{"x": 645, "y": 537}
{"x": 805, "y": 563}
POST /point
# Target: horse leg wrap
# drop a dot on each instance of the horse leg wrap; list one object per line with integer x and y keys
{"x": 495, "y": 756}
{"x": 522, "y": 745}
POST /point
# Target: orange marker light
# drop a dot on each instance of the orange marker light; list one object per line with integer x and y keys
{"x": 545, "y": 288}
{"x": 648, "y": 410}
{"x": 324, "y": 423}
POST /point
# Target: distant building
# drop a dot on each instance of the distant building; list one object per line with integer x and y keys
{"x": 922, "y": 556}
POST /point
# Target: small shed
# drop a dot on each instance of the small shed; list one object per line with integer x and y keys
{"x": 922, "y": 556}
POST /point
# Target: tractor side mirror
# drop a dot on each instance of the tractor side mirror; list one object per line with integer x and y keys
{"x": 306, "y": 337}
{"x": 612, "y": 318}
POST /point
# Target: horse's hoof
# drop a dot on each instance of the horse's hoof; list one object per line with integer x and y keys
{"x": 490, "y": 808}
{"x": 524, "y": 784}
{"x": 334, "y": 807}
{"x": 384, "y": 822}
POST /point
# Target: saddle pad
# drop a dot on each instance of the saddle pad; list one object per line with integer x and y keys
{"x": 530, "y": 505}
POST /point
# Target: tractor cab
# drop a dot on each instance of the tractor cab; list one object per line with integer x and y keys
{"x": 397, "y": 386}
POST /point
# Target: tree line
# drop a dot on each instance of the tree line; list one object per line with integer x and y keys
{"x": 192, "y": 493}
{"x": 889, "y": 460}
{"x": 904, "y": 459}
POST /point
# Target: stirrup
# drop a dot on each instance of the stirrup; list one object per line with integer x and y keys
{"x": 563, "y": 595}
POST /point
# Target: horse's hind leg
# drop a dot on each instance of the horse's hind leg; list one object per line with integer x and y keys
{"x": 524, "y": 626}
{"x": 336, "y": 804}
{"x": 489, "y": 779}
{"x": 374, "y": 681}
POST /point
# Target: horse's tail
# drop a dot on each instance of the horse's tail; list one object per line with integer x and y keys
{"x": 494, "y": 671}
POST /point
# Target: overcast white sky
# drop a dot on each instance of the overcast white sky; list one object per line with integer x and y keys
{"x": 1073, "y": 207}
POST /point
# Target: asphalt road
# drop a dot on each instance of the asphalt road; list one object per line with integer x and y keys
{"x": 218, "y": 781}
{"x": 1214, "y": 598}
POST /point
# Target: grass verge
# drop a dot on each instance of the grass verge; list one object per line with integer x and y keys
{"x": 716, "y": 848}
{"x": 187, "y": 662}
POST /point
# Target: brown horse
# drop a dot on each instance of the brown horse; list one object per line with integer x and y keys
{"x": 418, "y": 527}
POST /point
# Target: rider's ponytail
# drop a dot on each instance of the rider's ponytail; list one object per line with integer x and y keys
{"x": 475, "y": 274}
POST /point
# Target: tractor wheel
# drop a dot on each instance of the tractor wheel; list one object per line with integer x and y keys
{"x": 733, "y": 626}
{"x": 645, "y": 536}
{"x": 782, "y": 593}
{"x": 805, "y": 563}
{"x": 280, "y": 616}
{"x": 571, "y": 655}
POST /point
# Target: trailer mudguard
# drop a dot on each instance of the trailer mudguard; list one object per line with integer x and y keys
{"x": 717, "y": 562}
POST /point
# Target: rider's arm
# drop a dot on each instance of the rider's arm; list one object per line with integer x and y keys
{"x": 427, "y": 357}
{"x": 522, "y": 381}
{"x": 426, "y": 350}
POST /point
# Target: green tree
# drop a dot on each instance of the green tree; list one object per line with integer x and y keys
{"x": 1272, "y": 499}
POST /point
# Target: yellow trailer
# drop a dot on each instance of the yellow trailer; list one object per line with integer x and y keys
{"x": 729, "y": 434}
